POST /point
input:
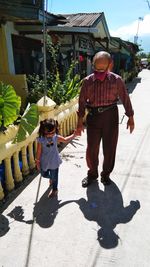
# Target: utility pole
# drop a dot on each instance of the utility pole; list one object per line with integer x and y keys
{"x": 45, "y": 3}
{"x": 136, "y": 36}
{"x": 148, "y": 4}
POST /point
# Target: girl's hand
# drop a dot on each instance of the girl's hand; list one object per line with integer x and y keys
{"x": 67, "y": 138}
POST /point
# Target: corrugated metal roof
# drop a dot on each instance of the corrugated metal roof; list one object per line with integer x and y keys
{"x": 81, "y": 19}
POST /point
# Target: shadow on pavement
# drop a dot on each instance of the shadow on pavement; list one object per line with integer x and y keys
{"x": 18, "y": 215}
{"x": 107, "y": 210}
{"x": 46, "y": 210}
{"x": 44, "y": 213}
{"x": 11, "y": 196}
{"x": 104, "y": 207}
{"x": 4, "y": 225}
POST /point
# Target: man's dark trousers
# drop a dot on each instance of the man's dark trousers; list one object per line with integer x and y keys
{"x": 102, "y": 127}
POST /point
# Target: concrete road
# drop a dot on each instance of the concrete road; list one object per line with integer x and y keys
{"x": 95, "y": 227}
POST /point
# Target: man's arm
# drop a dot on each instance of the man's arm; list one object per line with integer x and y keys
{"x": 81, "y": 109}
{"x": 125, "y": 99}
{"x": 80, "y": 126}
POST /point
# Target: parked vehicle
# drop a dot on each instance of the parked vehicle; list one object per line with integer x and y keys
{"x": 144, "y": 62}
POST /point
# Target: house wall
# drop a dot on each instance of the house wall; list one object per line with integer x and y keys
{"x": 7, "y": 68}
{"x": 9, "y": 30}
{"x": 6, "y": 51}
{"x": 4, "y": 66}
{"x": 101, "y": 31}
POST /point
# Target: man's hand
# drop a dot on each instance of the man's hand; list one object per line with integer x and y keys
{"x": 79, "y": 130}
{"x": 80, "y": 127}
{"x": 130, "y": 124}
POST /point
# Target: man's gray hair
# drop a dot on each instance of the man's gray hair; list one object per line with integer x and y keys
{"x": 101, "y": 54}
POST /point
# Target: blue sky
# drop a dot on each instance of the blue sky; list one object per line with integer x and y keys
{"x": 122, "y": 16}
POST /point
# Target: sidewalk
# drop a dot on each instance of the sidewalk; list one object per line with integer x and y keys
{"x": 95, "y": 227}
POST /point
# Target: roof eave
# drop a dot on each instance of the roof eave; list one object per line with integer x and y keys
{"x": 39, "y": 28}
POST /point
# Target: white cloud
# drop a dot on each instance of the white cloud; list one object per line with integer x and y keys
{"x": 142, "y": 27}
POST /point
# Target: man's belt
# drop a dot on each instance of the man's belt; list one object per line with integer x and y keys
{"x": 97, "y": 110}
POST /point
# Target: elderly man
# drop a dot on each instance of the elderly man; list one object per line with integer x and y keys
{"x": 99, "y": 94}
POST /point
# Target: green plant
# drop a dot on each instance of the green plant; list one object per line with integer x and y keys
{"x": 9, "y": 105}
{"x": 36, "y": 84}
{"x": 9, "y": 112}
{"x": 58, "y": 90}
{"x": 53, "y": 52}
{"x": 28, "y": 123}
{"x": 64, "y": 91}
{"x": 36, "y": 88}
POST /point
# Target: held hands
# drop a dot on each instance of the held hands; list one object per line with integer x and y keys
{"x": 77, "y": 132}
{"x": 80, "y": 126}
{"x": 79, "y": 129}
{"x": 130, "y": 124}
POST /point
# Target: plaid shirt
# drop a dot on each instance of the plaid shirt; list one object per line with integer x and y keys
{"x": 95, "y": 93}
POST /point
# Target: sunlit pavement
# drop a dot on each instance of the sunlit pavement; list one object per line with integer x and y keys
{"x": 94, "y": 227}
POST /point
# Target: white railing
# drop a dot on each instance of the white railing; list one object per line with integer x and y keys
{"x": 19, "y": 159}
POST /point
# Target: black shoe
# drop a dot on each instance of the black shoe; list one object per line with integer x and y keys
{"x": 87, "y": 181}
{"x": 106, "y": 180}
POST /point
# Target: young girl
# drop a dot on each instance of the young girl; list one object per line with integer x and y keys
{"x": 48, "y": 158}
